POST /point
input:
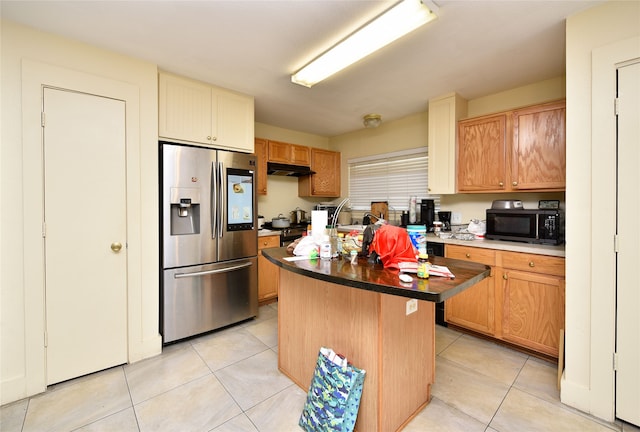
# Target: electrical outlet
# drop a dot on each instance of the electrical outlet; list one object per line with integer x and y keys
{"x": 456, "y": 218}
{"x": 412, "y": 306}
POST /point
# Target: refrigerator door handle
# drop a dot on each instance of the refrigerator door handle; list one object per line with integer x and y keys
{"x": 223, "y": 190}
{"x": 208, "y": 272}
{"x": 214, "y": 200}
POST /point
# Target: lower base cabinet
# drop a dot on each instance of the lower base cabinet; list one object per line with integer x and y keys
{"x": 268, "y": 273}
{"x": 474, "y": 308}
{"x": 533, "y": 301}
{"x": 522, "y": 303}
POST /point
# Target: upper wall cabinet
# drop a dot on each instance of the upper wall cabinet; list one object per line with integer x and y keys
{"x": 289, "y": 153}
{"x": 261, "y": 153}
{"x": 482, "y": 153}
{"x": 514, "y": 151}
{"x": 195, "y": 112}
{"x": 324, "y": 163}
{"x": 326, "y": 180}
{"x": 444, "y": 113}
{"x": 539, "y": 148}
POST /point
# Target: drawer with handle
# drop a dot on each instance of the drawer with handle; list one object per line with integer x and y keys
{"x": 483, "y": 256}
{"x": 532, "y": 263}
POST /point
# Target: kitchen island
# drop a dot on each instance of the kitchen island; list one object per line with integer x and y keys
{"x": 364, "y": 312}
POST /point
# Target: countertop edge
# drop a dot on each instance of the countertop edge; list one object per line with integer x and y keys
{"x": 269, "y": 254}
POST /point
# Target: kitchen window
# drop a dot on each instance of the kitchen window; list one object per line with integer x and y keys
{"x": 392, "y": 177}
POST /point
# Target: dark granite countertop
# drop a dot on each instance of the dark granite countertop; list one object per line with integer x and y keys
{"x": 374, "y": 277}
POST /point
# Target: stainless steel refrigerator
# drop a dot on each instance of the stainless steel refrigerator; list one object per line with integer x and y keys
{"x": 209, "y": 239}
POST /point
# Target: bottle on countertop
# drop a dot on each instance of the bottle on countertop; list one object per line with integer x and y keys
{"x": 423, "y": 266}
{"x": 325, "y": 248}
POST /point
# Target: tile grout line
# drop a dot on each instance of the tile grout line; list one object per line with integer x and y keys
{"x": 507, "y": 394}
{"x": 133, "y": 406}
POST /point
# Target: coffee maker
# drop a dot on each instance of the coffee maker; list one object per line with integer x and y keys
{"x": 445, "y": 218}
{"x": 427, "y": 213}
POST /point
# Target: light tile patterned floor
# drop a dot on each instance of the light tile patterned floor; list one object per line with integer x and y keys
{"x": 228, "y": 381}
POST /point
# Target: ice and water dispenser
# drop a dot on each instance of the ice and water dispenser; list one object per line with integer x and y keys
{"x": 185, "y": 211}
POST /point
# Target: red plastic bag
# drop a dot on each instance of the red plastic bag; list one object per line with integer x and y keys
{"x": 393, "y": 245}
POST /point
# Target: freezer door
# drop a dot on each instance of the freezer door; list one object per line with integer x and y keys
{"x": 199, "y": 299}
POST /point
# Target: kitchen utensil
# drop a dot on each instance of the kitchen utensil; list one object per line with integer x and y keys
{"x": 506, "y": 204}
{"x": 297, "y": 216}
{"x": 280, "y": 222}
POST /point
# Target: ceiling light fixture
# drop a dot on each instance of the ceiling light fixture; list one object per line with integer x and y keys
{"x": 372, "y": 120}
{"x": 396, "y": 22}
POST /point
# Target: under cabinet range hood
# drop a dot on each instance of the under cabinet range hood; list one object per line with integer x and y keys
{"x": 281, "y": 169}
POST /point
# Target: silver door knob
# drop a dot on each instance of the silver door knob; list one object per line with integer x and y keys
{"x": 116, "y": 246}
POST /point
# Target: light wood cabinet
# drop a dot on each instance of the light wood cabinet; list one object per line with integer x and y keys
{"x": 513, "y": 151}
{"x": 289, "y": 153}
{"x": 522, "y": 302}
{"x": 444, "y": 113}
{"x": 195, "y": 112}
{"x": 260, "y": 150}
{"x": 474, "y": 308}
{"x": 533, "y": 294}
{"x": 325, "y": 163}
{"x": 326, "y": 180}
{"x": 539, "y": 148}
{"x": 268, "y": 273}
{"x": 482, "y": 154}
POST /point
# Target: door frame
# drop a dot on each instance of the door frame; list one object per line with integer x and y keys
{"x": 35, "y": 76}
{"x": 605, "y": 62}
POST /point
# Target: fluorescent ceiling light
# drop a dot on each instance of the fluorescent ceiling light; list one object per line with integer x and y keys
{"x": 396, "y": 22}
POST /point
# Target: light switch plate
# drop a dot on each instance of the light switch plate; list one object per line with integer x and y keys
{"x": 456, "y": 218}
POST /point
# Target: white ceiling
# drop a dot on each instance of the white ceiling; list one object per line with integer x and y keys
{"x": 474, "y": 48}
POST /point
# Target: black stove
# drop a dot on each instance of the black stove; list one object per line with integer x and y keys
{"x": 289, "y": 234}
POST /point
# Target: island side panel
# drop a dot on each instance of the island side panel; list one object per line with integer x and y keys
{"x": 408, "y": 359}
{"x": 374, "y": 332}
{"x": 314, "y": 313}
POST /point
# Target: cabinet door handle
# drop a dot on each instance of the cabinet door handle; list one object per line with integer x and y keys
{"x": 515, "y": 183}
{"x": 209, "y": 138}
{"x": 468, "y": 255}
{"x": 500, "y": 184}
{"x": 504, "y": 276}
{"x": 532, "y": 264}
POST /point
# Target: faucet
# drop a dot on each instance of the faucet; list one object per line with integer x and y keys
{"x": 379, "y": 219}
{"x": 372, "y": 215}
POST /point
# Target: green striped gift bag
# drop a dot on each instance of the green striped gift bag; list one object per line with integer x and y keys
{"x": 334, "y": 395}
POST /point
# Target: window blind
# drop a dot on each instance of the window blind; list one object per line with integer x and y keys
{"x": 392, "y": 177}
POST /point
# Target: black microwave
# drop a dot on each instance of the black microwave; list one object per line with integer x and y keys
{"x": 531, "y": 226}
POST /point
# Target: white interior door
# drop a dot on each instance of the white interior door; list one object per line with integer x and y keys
{"x": 628, "y": 256}
{"x": 85, "y": 220}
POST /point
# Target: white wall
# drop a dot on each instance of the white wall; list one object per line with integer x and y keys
{"x": 22, "y": 365}
{"x": 588, "y": 380}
